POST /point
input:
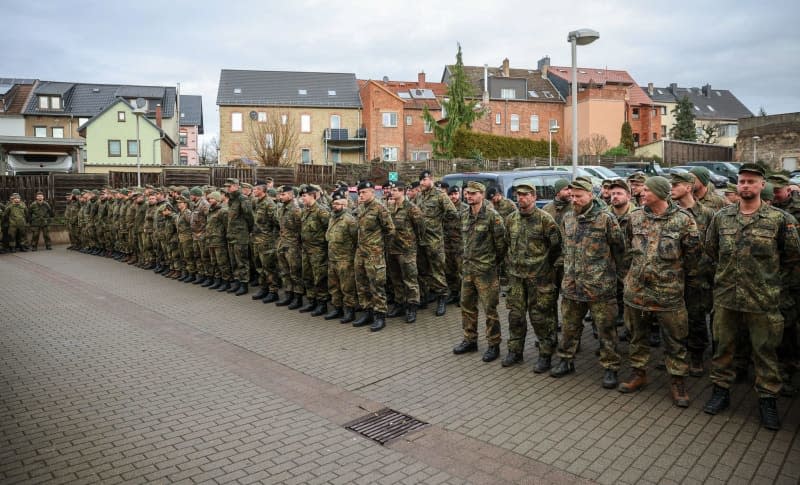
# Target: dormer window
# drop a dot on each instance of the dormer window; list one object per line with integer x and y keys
{"x": 49, "y": 102}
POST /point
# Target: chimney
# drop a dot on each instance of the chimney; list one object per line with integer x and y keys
{"x": 707, "y": 90}
{"x": 673, "y": 88}
{"x": 543, "y": 65}
{"x": 421, "y": 80}
{"x": 158, "y": 115}
{"x": 505, "y": 68}
{"x": 650, "y": 89}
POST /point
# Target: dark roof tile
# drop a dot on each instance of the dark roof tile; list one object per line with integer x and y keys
{"x": 287, "y": 88}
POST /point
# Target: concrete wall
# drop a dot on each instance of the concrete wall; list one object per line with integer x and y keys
{"x": 12, "y": 126}
{"x": 779, "y": 143}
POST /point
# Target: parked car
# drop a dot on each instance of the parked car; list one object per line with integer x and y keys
{"x": 623, "y": 172}
{"x": 600, "y": 171}
{"x": 723, "y": 168}
{"x": 720, "y": 181}
{"x": 650, "y": 168}
{"x": 582, "y": 172}
{"x": 543, "y": 180}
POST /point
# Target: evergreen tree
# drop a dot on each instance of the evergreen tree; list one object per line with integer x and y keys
{"x": 458, "y": 109}
{"x": 762, "y": 111}
{"x": 626, "y": 137}
{"x": 684, "y": 128}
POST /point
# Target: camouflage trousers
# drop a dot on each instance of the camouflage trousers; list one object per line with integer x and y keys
{"x": 698, "y": 304}
{"x": 604, "y": 314}
{"x": 267, "y": 265}
{"x": 44, "y": 231}
{"x": 530, "y": 298}
{"x": 430, "y": 261}
{"x": 342, "y": 283}
{"x": 147, "y": 256}
{"x": 674, "y": 329}
{"x": 452, "y": 268}
{"x": 172, "y": 249}
{"x": 315, "y": 272}
{"x": 403, "y": 277}
{"x": 240, "y": 261}
{"x": 17, "y": 235}
{"x": 766, "y": 332}
{"x": 483, "y": 289}
{"x": 201, "y": 257}
{"x": 371, "y": 281}
{"x": 74, "y": 234}
{"x": 219, "y": 264}
{"x": 788, "y": 354}
{"x": 186, "y": 259}
{"x": 291, "y": 268}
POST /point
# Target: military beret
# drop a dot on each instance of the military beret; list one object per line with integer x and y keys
{"x": 269, "y": 179}
{"x": 307, "y": 189}
{"x": 585, "y": 179}
{"x": 681, "y": 178}
{"x": 560, "y": 185}
{"x": 475, "y": 187}
{"x": 167, "y": 206}
{"x": 76, "y": 191}
{"x": 607, "y": 183}
{"x": 491, "y": 192}
{"x": 525, "y": 189}
{"x": 424, "y": 174}
{"x": 414, "y": 184}
{"x": 185, "y": 193}
{"x": 124, "y": 191}
{"x": 148, "y": 186}
{"x": 637, "y": 177}
{"x": 181, "y": 199}
{"x": 702, "y": 174}
{"x": 39, "y": 192}
{"x": 752, "y": 168}
{"x": 366, "y": 184}
{"x": 581, "y": 185}
{"x": 231, "y": 181}
{"x": 621, "y": 183}
{"x": 395, "y": 185}
{"x": 272, "y": 192}
{"x": 730, "y": 189}
{"x": 246, "y": 186}
{"x": 338, "y": 196}
{"x": 454, "y": 190}
{"x": 95, "y": 192}
{"x": 767, "y": 193}
{"x": 215, "y": 195}
{"x": 442, "y": 185}
{"x": 15, "y": 196}
{"x": 778, "y": 180}
{"x": 286, "y": 188}
{"x": 342, "y": 183}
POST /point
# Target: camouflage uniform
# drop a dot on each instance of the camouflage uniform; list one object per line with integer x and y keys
{"x": 622, "y": 220}
{"x": 71, "y": 217}
{"x": 437, "y": 209}
{"x": 402, "y": 261}
{"x": 202, "y": 257}
{"x": 504, "y": 207}
{"x": 593, "y": 252}
{"x": 14, "y": 219}
{"x": 240, "y": 222}
{"x": 484, "y": 236}
{"x": 342, "y": 236}
{"x": 217, "y": 243}
{"x": 453, "y": 247}
{"x": 183, "y": 224}
{"x": 171, "y": 240}
{"x": 313, "y": 224}
{"x": 664, "y": 252}
{"x": 699, "y": 300}
{"x": 788, "y": 352}
{"x": 374, "y": 227}
{"x": 265, "y": 241}
{"x": 711, "y": 199}
{"x": 148, "y": 239}
{"x": 39, "y": 215}
{"x": 534, "y": 245}
{"x": 289, "y": 259}
{"x": 753, "y": 254}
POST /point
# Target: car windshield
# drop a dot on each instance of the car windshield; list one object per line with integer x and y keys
{"x": 543, "y": 184}
{"x": 602, "y": 172}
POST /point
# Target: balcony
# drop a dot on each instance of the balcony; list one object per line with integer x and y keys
{"x": 343, "y": 134}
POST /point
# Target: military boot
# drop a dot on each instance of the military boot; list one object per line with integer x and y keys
{"x": 610, "y": 380}
{"x": 158, "y": 268}
{"x": 207, "y": 282}
{"x": 378, "y": 323}
{"x": 637, "y": 381}
{"x": 454, "y": 299}
{"x": 397, "y": 310}
{"x": 234, "y": 287}
{"x": 543, "y": 364}
{"x": 184, "y": 275}
{"x": 216, "y": 285}
{"x": 225, "y": 286}
{"x": 512, "y": 358}
{"x": 297, "y": 302}
{"x": 320, "y": 309}
{"x": 411, "y": 313}
{"x": 334, "y": 314}
{"x": 677, "y": 388}
{"x": 349, "y": 315}
{"x": 287, "y": 299}
{"x": 364, "y": 320}
{"x": 465, "y": 346}
{"x": 262, "y": 292}
{"x": 190, "y": 277}
{"x": 199, "y": 279}
{"x": 242, "y": 290}
{"x": 441, "y": 306}
{"x": 768, "y": 409}
{"x": 491, "y": 354}
{"x": 563, "y": 368}
{"x": 270, "y": 298}
{"x": 696, "y": 364}
{"x": 309, "y": 307}
{"x": 720, "y": 400}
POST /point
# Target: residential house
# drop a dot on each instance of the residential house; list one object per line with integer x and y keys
{"x": 393, "y": 116}
{"x": 606, "y": 99}
{"x": 718, "y": 109}
{"x": 191, "y": 125}
{"x": 113, "y": 137}
{"x": 773, "y": 139}
{"x": 322, "y": 109}
{"x": 14, "y": 95}
{"x": 517, "y": 102}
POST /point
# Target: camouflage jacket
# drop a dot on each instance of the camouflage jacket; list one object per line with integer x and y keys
{"x": 557, "y": 208}
{"x": 623, "y": 220}
{"x": 15, "y": 214}
{"x": 753, "y": 254}
{"x": 705, "y": 268}
{"x": 39, "y": 214}
{"x": 534, "y": 245}
{"x": 484, "y": 239}
{"x": 593, "y": 252}
{"x": 504, "y": 207}
{"x": 664, "y": 249}
{"x": 408, "y": 224}
{"x": 240, "y": 219}
{"x": 170, "y": 228}
{"x": 791, "y": 205}
{"x": 313, "y": 224}
{"x": 149, "y": 218}
{"x": 375, "y": 227}
{"x": 130, "y": 214}
{"x": 711, "y": 199}
{"x": 141, "y": 213}
{"x": 342, "y": 236}
{"x": 265, "y": 223}
{"x": 199, "y": 217}
{"x": 437, "y": 209}
{"x": 289, "y": 219}
{"x": 216, "y": 226}
{"x": 183, "y": 223}
{"x": 452, "y": 232}
{"x": 72, "y": 216}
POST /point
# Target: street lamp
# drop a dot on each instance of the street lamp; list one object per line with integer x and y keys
{"x": 139, "y": 110}
{"x": 755, "y": 142}
{"x": 576, "y": 38}
{"x": 553, "y": 129}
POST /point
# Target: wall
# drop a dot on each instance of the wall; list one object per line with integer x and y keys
{"x": 545, "y": 111}
{"x": 108, "y": 128}
{"x": 12, "y": 126}
{"x": 603, "y": 116}
{"x": 377, "y": 101}
{"x": 190, "y": 150}
{"x": 69, "y": 124}
{"x": 779, "y": 143}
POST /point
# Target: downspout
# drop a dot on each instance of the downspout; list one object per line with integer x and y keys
{"x": 160, "y": 137}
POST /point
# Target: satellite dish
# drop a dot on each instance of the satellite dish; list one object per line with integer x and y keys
{"x": 253, "y": 115}
{"x": 141, "y": 102}
{"x": 140, "y": 106}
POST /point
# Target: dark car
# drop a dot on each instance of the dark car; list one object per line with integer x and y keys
{"x": 542, "y": 180}
{"x": 727, "y": 169}
{"x": 650, "y": 168}
{"x": 719, "y": 181}
{"x": 623, "y": 172}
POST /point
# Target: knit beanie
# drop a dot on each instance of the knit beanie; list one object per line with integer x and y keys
{"x": 702, "y": 173}
{"x": 659, "y": 186}
{"x": 560, "y": 185}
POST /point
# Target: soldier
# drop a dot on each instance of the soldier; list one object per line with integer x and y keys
{"x": 704, "y": 191}
{"x": 199, "y": 217}
{"x": 14, "y": 219}
{"x": 731, "y": 196}
{"x": 755, "y": 246}
{"x": 664, "y": 248}
{"x": 534, "y": 246}
{"x": 402, "y": 253}
{"x": 636, "y": 182}
{"x": 561, "y": 203}
{"x": 217, "y": 243}
{"x": 265, "y": 241}
{"x": 183, "y": 224}
{"x": 593, "y": 257}
{"x": 484, "y": 236}
{"x": 605, "y": 191}
{"x": 289, "y": 259}
{"x": 39, "y": 215}
{"x": 342, "y": 237}
{"x": 375, "y": 227}
{"x": 620, "y": 207}
{"x": 453, "y": 247}
{"x": 171, "y": 241}
{"x": 313, "y": 225}
{"x": 71, "y": 218}
{"x": 699, "y": 299}
{"x": 503, "y": 206}
{"x": 240, "y": 223}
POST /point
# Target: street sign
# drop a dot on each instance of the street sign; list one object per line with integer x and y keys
{"x": 392, "y": 176}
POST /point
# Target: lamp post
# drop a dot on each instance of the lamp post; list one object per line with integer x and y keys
{"x": 139, "y": 110}
{"x": 755, "y": 143}
{"x": 576, "y": 38}
{"x": 553, "y": 129}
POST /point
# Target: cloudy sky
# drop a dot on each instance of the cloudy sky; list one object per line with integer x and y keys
{"x": 751, "y": 48}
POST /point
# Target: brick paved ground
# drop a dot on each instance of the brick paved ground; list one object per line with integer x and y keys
{"x": 110, "y": 373}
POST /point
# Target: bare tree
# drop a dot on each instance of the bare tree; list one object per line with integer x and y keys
{"x": 273, "y": 140}
{"x": 596, "y": 144}
{"x": 710, "y": 133}
{"x": 209, "y": 152}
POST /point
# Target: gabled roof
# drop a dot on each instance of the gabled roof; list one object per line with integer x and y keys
{"x": 596, "y": 76}
{"x": 709, "y": 104}
{"x": 538, "y": 89}
{"x": 15, "y": 93}
{"x": 112, "y": 106}
{"x": 191, "y": 107}
{"x": 287, "y": 88}
{"x": 411, "y": 93}
{"x": 86, "y": 100}
{"x": 54, "y": 88}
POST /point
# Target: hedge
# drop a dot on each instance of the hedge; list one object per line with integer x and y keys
{"x": 468, "y": 144}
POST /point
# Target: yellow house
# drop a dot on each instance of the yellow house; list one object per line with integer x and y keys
{"x": 320, "y": 112}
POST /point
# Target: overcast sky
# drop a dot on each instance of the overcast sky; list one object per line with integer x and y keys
{"x": 751, "y": 48}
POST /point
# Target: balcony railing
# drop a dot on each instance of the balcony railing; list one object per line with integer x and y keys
{"x": 343, "y": 134}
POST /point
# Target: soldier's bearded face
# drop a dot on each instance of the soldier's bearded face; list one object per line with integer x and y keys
{"x": 455, "y": 198}
{"x": 427, "y": 182}
{"x": 474, "y": 198}
{"x": 749, "y": 186}
{"x": 782, "y": 194}
{"x": 580, "y": 198}
{"x": 619, "y": 197}
{"x": 526, "y": 201}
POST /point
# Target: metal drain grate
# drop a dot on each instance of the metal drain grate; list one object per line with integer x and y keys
{"x": 385, "y": 425}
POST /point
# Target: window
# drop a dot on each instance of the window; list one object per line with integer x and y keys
{"x": 389, "y": 154}
{"x": 57, "y": 132}
{"x": 269, "y": 140}
{"x": 508, "y": 93}
{"x": 262, "y": 116}
{"x": 114, "y": 148}
{"x": 305, "y": 155}
{"x": 236, "y": 121}
{"x": 548, "y": 94}
{"x": 331, "y": 92}
{"x": 663, "y": 111}
{"x": 40, "y": 131}
{"x": 55, "y": 102}
{"x": 428, "y": 127}
{"x": 133, "y": 148}
{"x": 655, "y": 136}
{"x": 636, "y": 139}
{"x": 284, "y": 119}
{"x": 82, "y": 121}
{"x": 121, "y": 116}
{"x": 420, "y": 156}
{"x": 635, "y": 112}
{"x": 44, "y": 102}
{"x": 336, "y": 122}
{"x": 237, "y": 90}
{"x": 390, "y": 120}
{"x": 305, "y": 123}
{"x": 336, "y": 155}
{"x": 183, "y": 138}
{"x": 534, "y": 123}
{"x": 49, "y": 102}
{"x": 514, "y": 122}
{"x": 663, "y": 131}
{"x": 532, "y": 94}
{"x": 184, "y": 159}
{"x": 497, "y": 119}
{"x": 409, "y": 120}
{"x": 553, "y": 124}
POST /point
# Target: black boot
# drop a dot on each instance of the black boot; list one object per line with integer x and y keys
{"x": 234, "y": 287}
{"x": 543, "y": 364}
{"x": 349, "y": 315}
{"x": 199, "y": 279}
{"x": 610, "y": 380}
{"x": 190, "y": 277}
{"x": 158, "y": 268}
{"x": 454, "y": 299}
{"x": 296, "y": 303}
{"x": 207, "y": 281}
{"x": 720, "y": 400}
{"x": 465, "y": 346}
{"x": 262, "y": 292}
{"x": 364, "y": 320}
{"x": 309, "y": 307}
{"x": 563, "y": 368}
{"x": 512, "y": 358}
{"x": 378, "y": 323}
{"x": 441, "y": 306}
{"x": 396, "y": 311}
{"x": 492, "y": 353}
{"x": 287, "y": 299}
{"x": 271, "y": 297}
{"x": 242, "y": 290}
{"x": 225, "y": 286}
{"x": 768, "y": 409}
{"x": 334, "y": 314}
{"x": 320, "y": 309}
{"x": 411, "y": 313}
{"x": 216, "y": 285}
